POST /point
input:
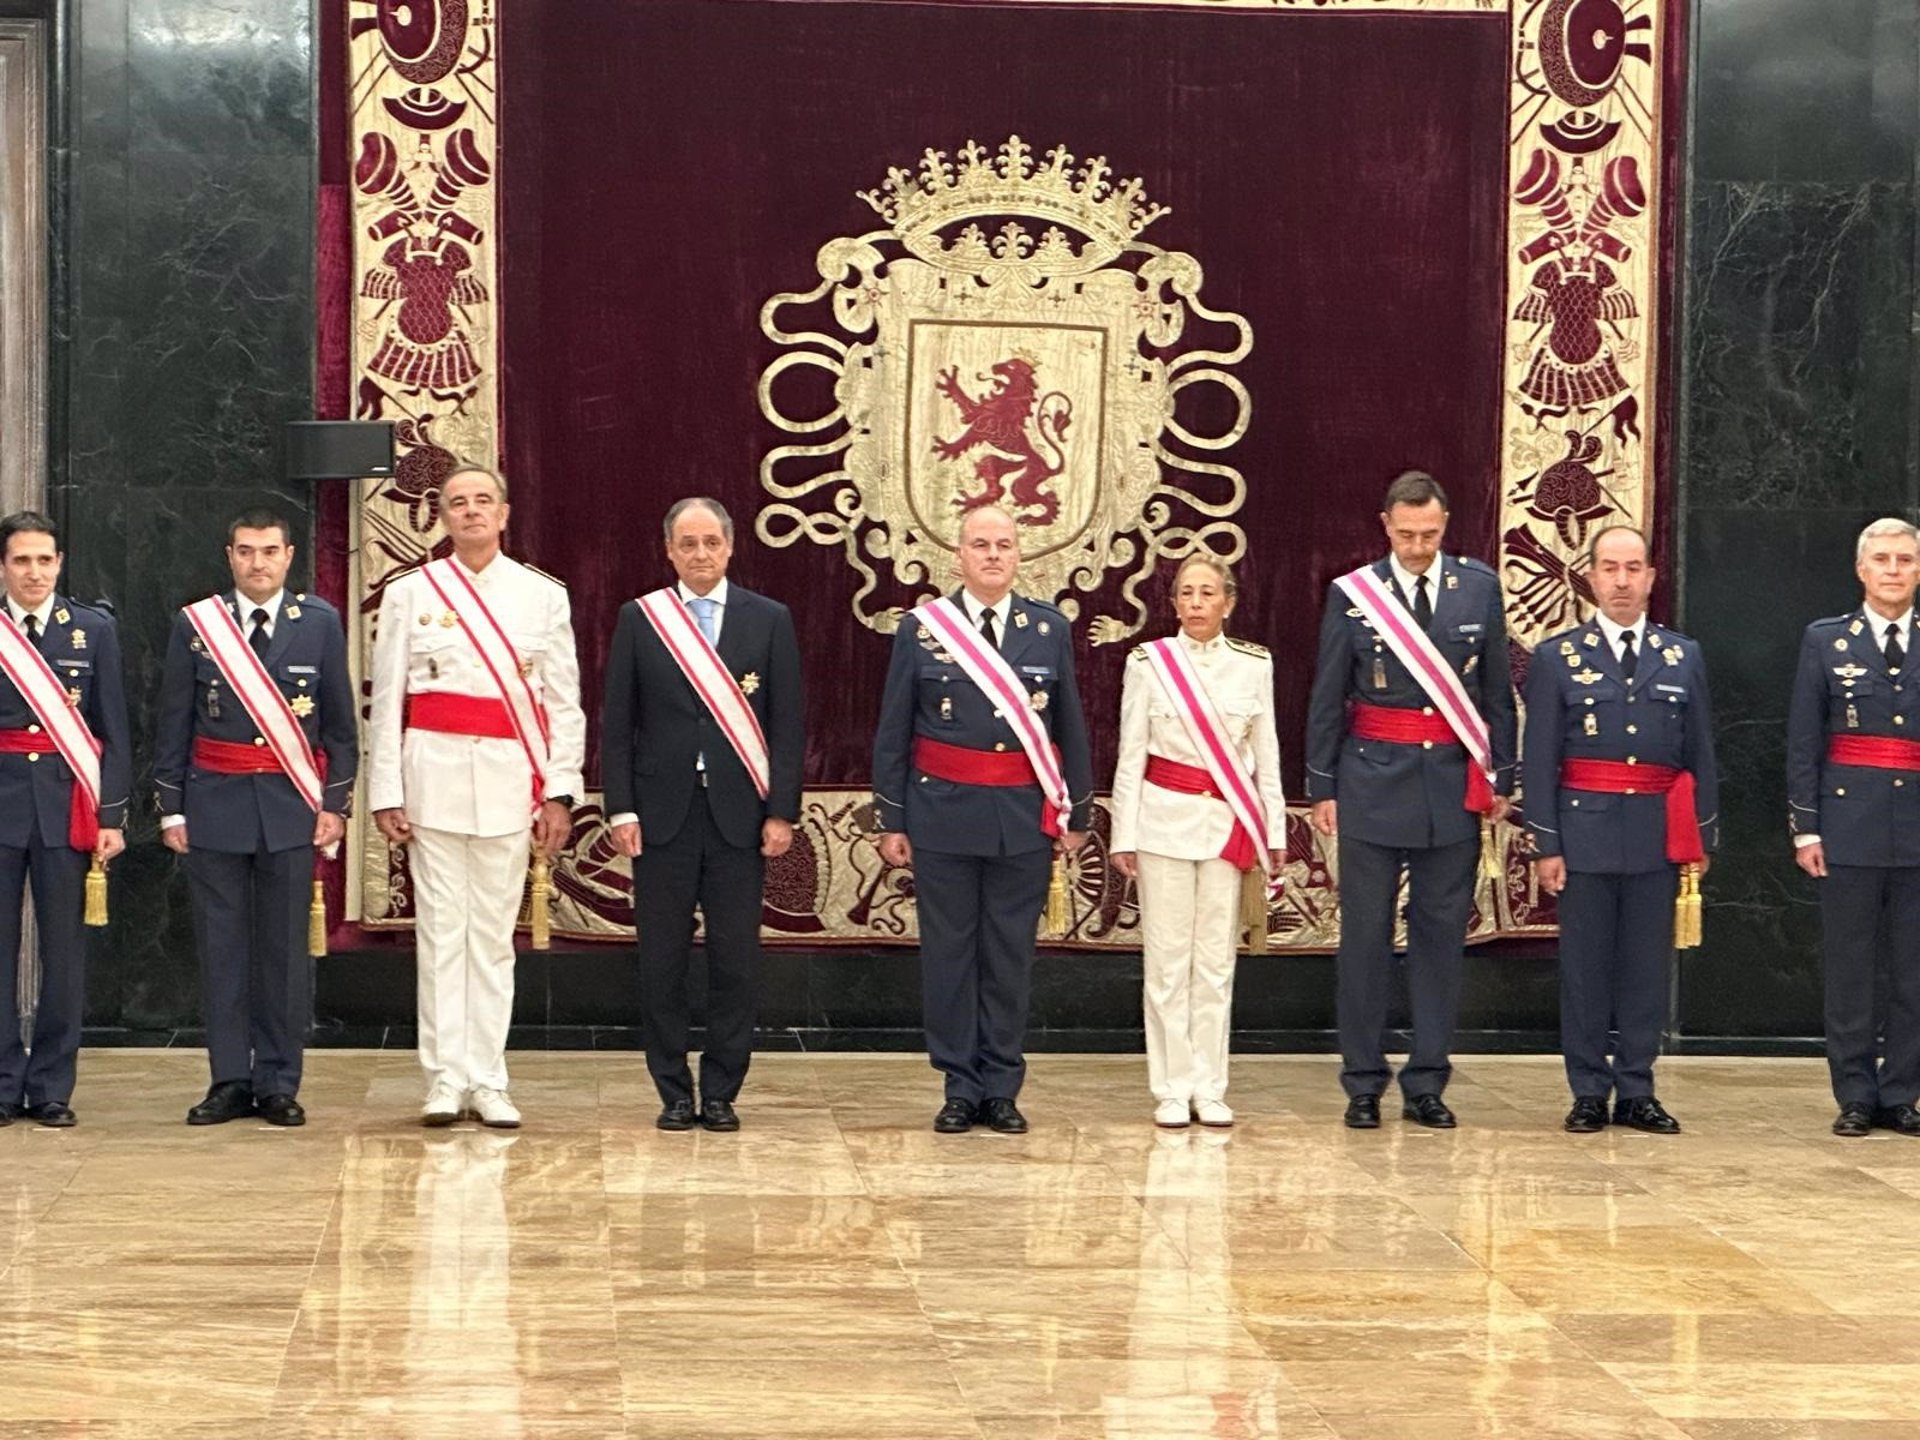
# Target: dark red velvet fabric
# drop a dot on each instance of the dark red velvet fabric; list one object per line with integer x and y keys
{"x": 668, "y": 166}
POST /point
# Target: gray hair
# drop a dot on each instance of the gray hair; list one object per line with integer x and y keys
{"x": 712, "y": 507}
{"x": 1891, "y": 525}
{"x": 472, "y": 467}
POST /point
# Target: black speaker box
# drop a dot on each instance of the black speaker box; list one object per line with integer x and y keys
{"x": 339, "y": 449}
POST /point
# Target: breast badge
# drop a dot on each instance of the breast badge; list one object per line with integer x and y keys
{"x": 749, "y": 682}
{"x": 79, "y": 638}
{"x": 1038, "y": 699}
{"x": 301, "y": 705}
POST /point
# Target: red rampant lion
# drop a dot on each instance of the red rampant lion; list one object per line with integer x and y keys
{"x": 1022, "y": 433}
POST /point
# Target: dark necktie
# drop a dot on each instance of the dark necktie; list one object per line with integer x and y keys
{"x": 33, "y": 630}
{"x": 1422, "y": 606}
{"x": 1896, "y": 652}
{"x": 258, "y": 639}
{"x": 1628, "y": 657}
{"x": 986, "y": 628}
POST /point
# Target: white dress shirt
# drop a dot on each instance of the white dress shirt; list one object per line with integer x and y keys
{"x": 42, "y": 613}
{"x": 1002, "y": 612}
{"x": 1406, "y": 579}
{"x": 1613, "y": 634}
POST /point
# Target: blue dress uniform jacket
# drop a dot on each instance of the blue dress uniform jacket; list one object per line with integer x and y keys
{"x": 1406, "y": 795}
{"x": 242, "y": 814}
{"x": 980, "y": 858}
{"x": 1868, "y": 821}
{"x": 83, "y": 647}
{"x": 927, "y": 693}
{"x": 1616, "y": 912}
{"x": 1863, "y": 815}
{"x": 1581, "y": 707}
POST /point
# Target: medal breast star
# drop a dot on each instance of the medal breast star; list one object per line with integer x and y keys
{"x": 1038, "y": 700}
{"x": 301, "y": 705}
{"x": 749, "y": 683}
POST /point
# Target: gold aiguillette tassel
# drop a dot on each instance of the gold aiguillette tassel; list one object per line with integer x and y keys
{"x": 1059, "y": 911}
{"x": 96, "y": 912}
{"x": 1253, "y": 912}
{"x": 1686, "y": 909}
{"x": 1490, "y": 850}
{"x": 317, "y": 920}
{"x": 542, "y": 918}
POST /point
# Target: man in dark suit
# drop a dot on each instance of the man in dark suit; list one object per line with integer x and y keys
{"x": 246, "y": 830}
{"x": 39, "y": 821}
{"x": 958, "y": 801}
{"x": 1621, "y": 789}
{"x": 684, "y": 804}
{"x": 1853, "y": 796}
{"x": 1387, "y": 775}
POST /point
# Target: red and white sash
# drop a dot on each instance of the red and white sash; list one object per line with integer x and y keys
{"x": 1174, "y": 669}
{"x": 1392, "y": 623}
{"x": 502, "y": 661}
{"x": 228, "y": 647}
{"x": 27, "y": 668}
{"x": 988, "y": 669}
{"x": 673, "y": 622}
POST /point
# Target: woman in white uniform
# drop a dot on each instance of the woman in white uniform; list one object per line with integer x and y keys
{"x": 1183, "y": 844}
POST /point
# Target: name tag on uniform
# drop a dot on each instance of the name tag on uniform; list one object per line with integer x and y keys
{"x": 302, "y": 669}
{"x": 1473, "y": 629}
{"x": 1672, "y": 689}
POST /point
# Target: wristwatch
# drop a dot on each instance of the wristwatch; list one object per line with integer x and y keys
{"x": 566, "y": 800}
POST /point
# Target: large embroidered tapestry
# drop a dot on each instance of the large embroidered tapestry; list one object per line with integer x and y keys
{"x": 1201, "y": 275}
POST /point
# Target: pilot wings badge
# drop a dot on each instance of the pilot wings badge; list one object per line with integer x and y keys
{"x": 1034, "y": 372}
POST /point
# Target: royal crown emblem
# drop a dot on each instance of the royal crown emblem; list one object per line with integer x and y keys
{"x": 1007, "y": 340}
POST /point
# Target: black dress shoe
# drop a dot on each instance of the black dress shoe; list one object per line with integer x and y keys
{"x": 1428, "y": 1110}
{"x": 11, "y": 1113}
{"x": 54, "y": 1114}
{"x": 1901, "y": 1118}
{"x": 1589, "y": 1113}
{"x": 1004, "y": 1116}
{"x": 718, "y": 1115}
{"x": 227, "y": 1100}
{"x": 1363, "y": 1112}
{"x": 280, "y": 1110}
{"x": 956, "y": 1117}
{"x": 675, "y": 1115}
{"x": 1645, "y": 1113}
{"x": 1854, "y": 1121}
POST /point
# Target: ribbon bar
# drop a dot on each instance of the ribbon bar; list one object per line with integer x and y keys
{"x": 1616, "y": 777}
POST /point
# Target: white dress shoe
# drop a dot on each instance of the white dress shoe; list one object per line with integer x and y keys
{"x": 1216, "y": 1113}
{"x": 493, "y": 1108}
{"x": 442, "y": 1107}
{"x": 1171, "y": 1114}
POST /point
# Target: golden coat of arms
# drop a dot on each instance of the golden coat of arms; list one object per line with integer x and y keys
{"x": 1040, "y": 373}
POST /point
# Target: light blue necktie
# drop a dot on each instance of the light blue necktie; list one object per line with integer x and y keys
{"x": 703, "y": 613}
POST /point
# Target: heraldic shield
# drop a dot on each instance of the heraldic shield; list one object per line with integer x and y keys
{"x": 1040, "y": 372}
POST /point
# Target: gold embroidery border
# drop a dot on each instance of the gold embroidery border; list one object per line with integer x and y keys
{"x": 873, "y": 908}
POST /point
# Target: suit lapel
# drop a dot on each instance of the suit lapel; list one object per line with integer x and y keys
{"x": 283, "y": 632}
{"x": 735, "y": 642}
{"x": 1602, "y": 655}
{"x": 1446, "y": 598}
{"x": 1863, "y": 647}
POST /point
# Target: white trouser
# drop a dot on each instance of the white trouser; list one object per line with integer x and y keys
{"x": 1189, "y": 918}
{"x": 466, "y": 896}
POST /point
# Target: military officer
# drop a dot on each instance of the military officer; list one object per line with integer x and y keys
{"x": 475, "y": 745}
{"x": 1621, "y": 788}
{"x": 49, "y": 827}
{"x": 975, "y": 812}
{"x": 1853, "y": 793}
{"x": 232, "y": 806}
{"x": 1183, "y": 842}
{"x": 1390, "y": 775}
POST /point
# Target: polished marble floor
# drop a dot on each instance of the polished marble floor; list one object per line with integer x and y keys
{"x": 836, "y": 1269}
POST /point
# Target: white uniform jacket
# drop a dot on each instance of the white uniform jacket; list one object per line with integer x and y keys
{"x": 467, "y": 784}
{"x": 1239, "y": 676}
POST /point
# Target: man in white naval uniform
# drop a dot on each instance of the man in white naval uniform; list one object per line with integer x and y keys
{"x": 1171, "y": 841}
{"x": 450, "y": 778}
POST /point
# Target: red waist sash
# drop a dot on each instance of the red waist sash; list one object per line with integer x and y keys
{"x": 460, "y": 715}
{"x": 1880, "y": 752}
{"x": 972, "y": 767}
{"x": 1398, "y": 725}
{"x": 230, "y": 757}
{"x": 83, "y": 822}
{"x": 1198, "y": 780}
{"x": 1616, "y": 777}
